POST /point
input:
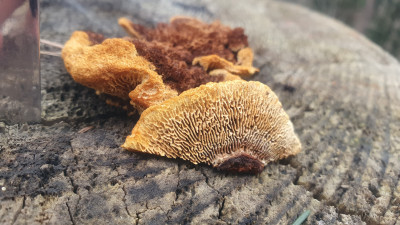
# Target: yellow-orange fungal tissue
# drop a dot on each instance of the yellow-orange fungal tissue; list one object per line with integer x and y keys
{"x": 236, "y": 125}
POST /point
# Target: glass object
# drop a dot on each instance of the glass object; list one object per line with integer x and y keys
{"x": 19, "y": 61}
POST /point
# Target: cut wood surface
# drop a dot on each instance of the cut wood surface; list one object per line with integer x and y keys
{"x": 341, "y": 91}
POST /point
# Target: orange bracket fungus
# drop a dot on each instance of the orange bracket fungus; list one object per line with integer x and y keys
{"x": 234, "y": 125}
{"x": 114, "y": 67}
{"x": 185, "y": 79}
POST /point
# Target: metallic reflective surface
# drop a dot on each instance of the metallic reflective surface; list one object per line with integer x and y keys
{"x": 19, "y": 61}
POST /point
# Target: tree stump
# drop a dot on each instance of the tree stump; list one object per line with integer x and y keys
{"x": 341, "y": 91}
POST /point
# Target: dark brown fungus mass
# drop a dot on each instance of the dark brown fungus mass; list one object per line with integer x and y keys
{"x": 234, "y": 125}
{"x": 192, "y": 35}
{"x": 173, "y": 65}
{"x": 173, "y": 47}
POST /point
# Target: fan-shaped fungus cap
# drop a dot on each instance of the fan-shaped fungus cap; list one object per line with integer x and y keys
{"x": 114, "y": 67}
{"x": 234, "y": 125}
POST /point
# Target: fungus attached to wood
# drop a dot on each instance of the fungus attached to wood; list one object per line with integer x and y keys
{"x": 185, "y": 79}
{"x": 212, "y": 62}
{"x": 234, "y": 125}
{"x": 176, "y": 48}
{"x": 193, "y": 35}
{"x": 156, "y": 64}
{"x": 113, "y": 66}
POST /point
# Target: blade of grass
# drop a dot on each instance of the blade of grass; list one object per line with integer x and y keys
{"x": 302, "y": 218}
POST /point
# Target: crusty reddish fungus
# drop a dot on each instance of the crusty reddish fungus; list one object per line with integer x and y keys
{"x": 234, "y": 125}
{"x": 174, "y": 65}
{"x": 173, "y": 47}
{"x": 193, "y": 35}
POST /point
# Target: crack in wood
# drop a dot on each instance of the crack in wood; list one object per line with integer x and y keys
{"x": 70, "y": 214}
{"x": 124, "y": 200}
{"x": 322, "y": 200}
{"x": 221, "y": 208}
{"x": 16, "y": 215}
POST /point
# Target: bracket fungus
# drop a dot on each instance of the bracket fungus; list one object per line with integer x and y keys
{"x": 236, "y": 125}
{"x": 185, "y": 79}
{"x": 154, "y": 65}
{"x": 113, "y": 66}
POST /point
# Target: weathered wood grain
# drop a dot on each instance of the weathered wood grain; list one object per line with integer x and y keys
{"x": 341, "y": 91}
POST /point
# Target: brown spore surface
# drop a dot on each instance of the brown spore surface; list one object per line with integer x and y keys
{"x": 237, "y": 39}
{"x": 95, "y": 38}
{"x": 172, "y": 48}
{"x": 197, "y": 37}
{"x": 174, "y": 65}
{"x": 243, "y": 163}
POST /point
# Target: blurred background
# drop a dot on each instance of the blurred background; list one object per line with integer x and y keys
{"x": 379, "y": 20}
